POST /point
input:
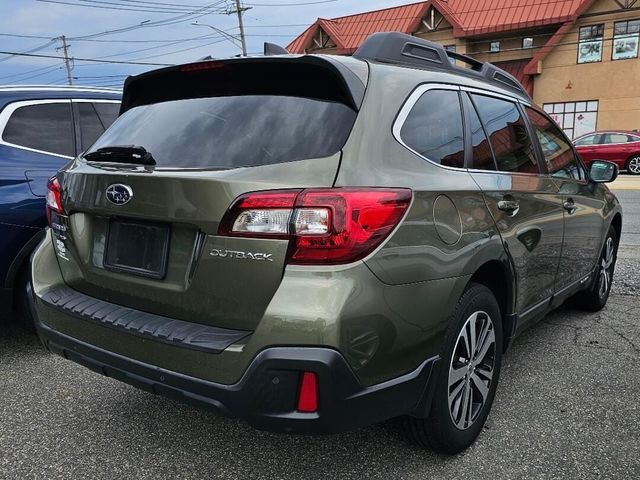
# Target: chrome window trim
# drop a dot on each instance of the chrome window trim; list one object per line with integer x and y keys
{"x": 68, "y": 89}
{"x": 94, "y": 100}
{"x": 6, "y": 113}
{"x": 406, "y": 109}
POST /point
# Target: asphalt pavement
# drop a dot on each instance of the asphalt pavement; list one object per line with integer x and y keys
{"x": 567, "y": 407}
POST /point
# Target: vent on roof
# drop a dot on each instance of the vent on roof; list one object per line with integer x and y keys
{"x": 401, "y": 49}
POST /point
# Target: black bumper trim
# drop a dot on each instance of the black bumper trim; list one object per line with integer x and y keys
{"x": 147, "y": 325}
{"x": 265, "y": 395}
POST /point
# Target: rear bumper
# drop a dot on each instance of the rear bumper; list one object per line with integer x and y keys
{"x": 266, "y": 394}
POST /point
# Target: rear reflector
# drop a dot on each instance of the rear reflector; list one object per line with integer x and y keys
{"x": 324, "y": 225}
{"x": 308, "y": 393}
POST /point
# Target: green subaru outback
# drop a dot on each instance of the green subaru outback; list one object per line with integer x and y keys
{"x": 316, "y": 243}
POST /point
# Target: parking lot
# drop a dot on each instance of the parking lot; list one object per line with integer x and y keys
{"x": 566, "y": 408}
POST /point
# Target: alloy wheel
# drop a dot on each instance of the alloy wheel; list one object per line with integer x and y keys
{"x": 634, "y": 165}
{"x": 606, "y": 267}
{"x": 471, "y": 370}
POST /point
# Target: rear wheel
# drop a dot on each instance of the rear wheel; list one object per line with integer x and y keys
{"x": 633, "y": 165}
{"x": 21, "y": 300}
{"x": 595, "y": 297}
{"x": 468, "y": 376}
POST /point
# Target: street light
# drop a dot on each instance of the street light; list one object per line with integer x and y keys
{"x": 232, "y": 38}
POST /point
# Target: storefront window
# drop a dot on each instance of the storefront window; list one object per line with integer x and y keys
{"x": 575, "y": 118}
{"x": 625, "y": 40}
{"x": 590, "y": 45}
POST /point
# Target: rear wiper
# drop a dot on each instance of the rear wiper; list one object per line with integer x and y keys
{"x": 121, "y": 154}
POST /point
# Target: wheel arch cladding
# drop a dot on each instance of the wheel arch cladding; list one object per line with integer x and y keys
{"x": 617, "y": 224}
{"x": 496, "y": 277}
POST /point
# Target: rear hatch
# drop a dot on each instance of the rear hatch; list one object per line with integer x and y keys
{"x": 141, "y": 229}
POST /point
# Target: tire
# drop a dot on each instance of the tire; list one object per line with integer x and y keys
{"x": 21, "y": 300}
{"x": 595, "y": 297}
{"x": 633, "y": 165}
{"x": 448, "y": 430}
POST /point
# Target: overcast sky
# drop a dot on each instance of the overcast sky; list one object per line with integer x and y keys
{"x": 277, "y": 24}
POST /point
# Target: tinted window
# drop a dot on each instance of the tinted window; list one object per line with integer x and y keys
{"x": 108, "y": 112}
{"x": 615, "y": 138}
{"x": 588, "y": 140}
{"x": 482, "y": 156}
{"x": 233, "y": 131}
{"x": 508, "y": 135}
{"x": 90, "y": 125}
{"x": 559, "y": 156}
{"x": 47, "y": 127}
{"x": 434, "y": 128}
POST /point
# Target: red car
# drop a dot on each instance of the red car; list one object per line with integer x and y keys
{"x": 619, "y": 147}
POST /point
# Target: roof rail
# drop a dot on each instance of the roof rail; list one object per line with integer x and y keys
{"x": 401, "y": 49}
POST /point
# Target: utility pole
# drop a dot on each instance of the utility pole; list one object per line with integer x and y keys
{"x": 240, "y": 10}
{"x": 67, "y": 60}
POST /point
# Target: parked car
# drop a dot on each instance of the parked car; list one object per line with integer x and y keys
{"x": 41, "y": 129}
{"x": 619, "y": 147}
{"x": 316, "y": 243}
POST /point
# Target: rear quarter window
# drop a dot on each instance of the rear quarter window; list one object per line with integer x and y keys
{"x": 233, "y": 131}
{"x": 434, "y": 128}
{"x": 46, "y": 127}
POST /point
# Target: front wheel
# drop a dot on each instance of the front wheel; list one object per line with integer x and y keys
{"x": 633, "y": 165}
{"x": 468, "y": 376}
{"x": 595, "y": 297}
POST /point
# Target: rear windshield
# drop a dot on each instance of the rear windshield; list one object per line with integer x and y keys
{"x": 233, "y": 131}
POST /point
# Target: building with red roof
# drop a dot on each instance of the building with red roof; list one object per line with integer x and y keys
{"x": 577, "y": 58}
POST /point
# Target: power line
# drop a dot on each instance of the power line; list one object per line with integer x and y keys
{"x": 125, "y": 8}
{"x": 96, "y": 60}
{"x": 177, "y": 42}
{"x": 36, "y": 49}
{"x": 49, "y": 70}
{"x": 300, "y": 4}
{"x": 13, "y": 75}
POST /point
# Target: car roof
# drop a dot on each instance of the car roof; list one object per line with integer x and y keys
{"x": 602, "y": 132}
{"x": 63, "y": 91}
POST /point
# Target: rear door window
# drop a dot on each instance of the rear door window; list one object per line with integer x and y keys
{"x": 46, "y": 127}
{"x": 482, "y": 157}
{"x": 508, "y": 135}
{"x": 233, "y": 131}
{"x": 588, "y": 140}
{"x": 94, "y": 119}
{"x": 617, "y": 138}
{"x": 559, "y": 157}
{"x": 434, "y": 128}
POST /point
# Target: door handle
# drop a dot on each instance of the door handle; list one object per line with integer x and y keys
{"x": 509, "y": 206}
{"x": 570, "y": 206}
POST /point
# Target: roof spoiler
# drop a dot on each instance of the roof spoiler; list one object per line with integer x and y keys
{"x": 273, "y": 49}
{"x": 401, "y": 49}
{"x": 322, "y": 78}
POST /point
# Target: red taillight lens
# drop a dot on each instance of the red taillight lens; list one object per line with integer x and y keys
{"x": 54, "y": 198}
{"x": 308, "y": 393}
{"x": 360, "y": 221}
{"x": 325, "y": 225}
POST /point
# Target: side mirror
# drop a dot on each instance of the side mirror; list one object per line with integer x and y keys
{"x": 602, "y": 171}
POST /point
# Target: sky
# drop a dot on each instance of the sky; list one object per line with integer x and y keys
{"x": 163, "y": 33}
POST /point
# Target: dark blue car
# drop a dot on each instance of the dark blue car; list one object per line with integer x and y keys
{"x": 41, "y": 129}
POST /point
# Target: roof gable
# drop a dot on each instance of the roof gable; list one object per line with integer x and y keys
{"x": 468, "y": 18}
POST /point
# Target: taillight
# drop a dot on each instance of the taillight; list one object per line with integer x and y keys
{"x": 54, "y": 198}
{"x": 324, "y": 225}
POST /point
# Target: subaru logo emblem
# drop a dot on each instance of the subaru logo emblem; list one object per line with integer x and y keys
{"x": 119, "y": 194}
